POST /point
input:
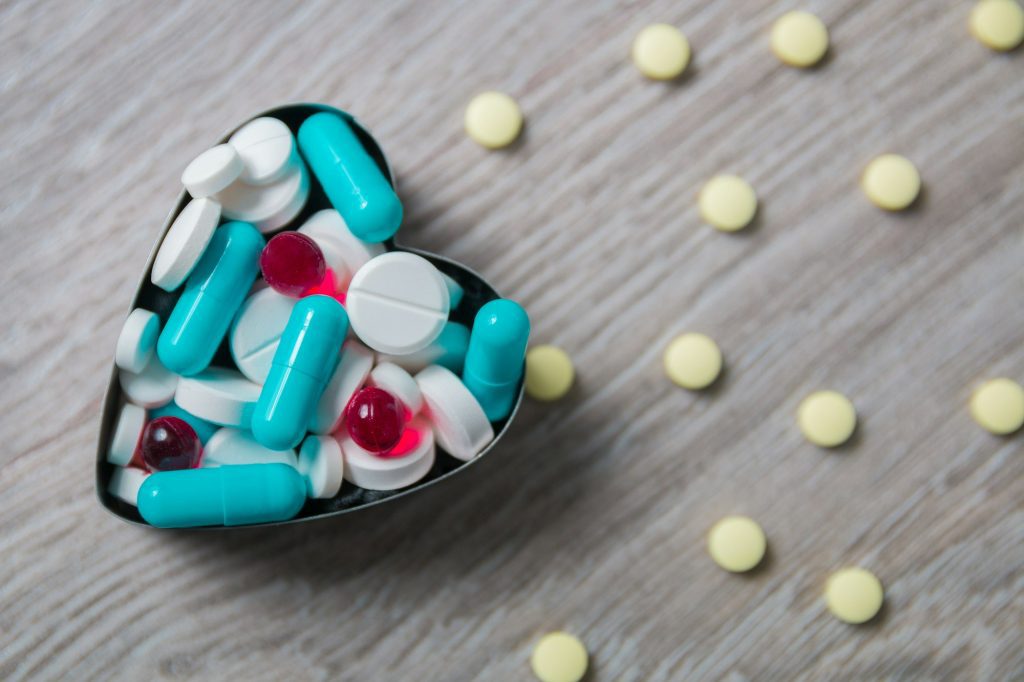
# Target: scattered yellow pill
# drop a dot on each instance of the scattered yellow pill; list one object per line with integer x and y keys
{"x": 998, "y": 406}
{"x": 827, "y": 418}
{"x": 891, "y": 182}
{"x": 493, "y": 119}
{"x": 727, "y": 202}
{"x": 737, "y": 543}
{"x": 661, "y": 52}
{"x": 998, "y": 24}
{"x": 559, "y": 657}
{"x": 693, "y": 361}
{"x": 853, "y": 595}
{"x": 799, "y": 39}
{"x": 549, "y": 373}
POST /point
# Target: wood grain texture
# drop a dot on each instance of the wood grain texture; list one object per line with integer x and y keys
{"x": 590, "y": 517}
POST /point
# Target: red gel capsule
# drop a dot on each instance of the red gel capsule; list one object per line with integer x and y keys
{"x": 374, "y": 419}
{"x": 169, "y": 443}
{"x": 292, "y": 264}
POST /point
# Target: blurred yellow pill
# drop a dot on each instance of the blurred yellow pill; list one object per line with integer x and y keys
{"x": 661, "y": 52}
{"x": 853, "y": 595}
{"x": 891, "y": 182}
{"x": 559, "y": 657}
{"x": 799, "y": 39}
{"x": 692, "y": 361}
{"x": 827, "y": 418}
{"x": 737, "y": 543}
{"x": 998, "y": 24}
{"x": 727, "y": 202}
{"x": 549, "y": 373}
{"x": 493, "y": 119}
{"x": 998, "y": 406}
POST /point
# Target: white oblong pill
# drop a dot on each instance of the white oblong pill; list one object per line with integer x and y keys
{"x": 460, "y": 425}
{"x": 399, "y": 383}
{"x": 212, "y": 171}
{"x": 153, "y": 387}
{"x": 231, "y": 447}
{"x": 397, "y": 303}
{"x": 267, "y": 207}
{"x": 266, "y": 147}
{"x": 405, "y": 464}
{"x": 320, "y": 463}
{"x": 125, "y": 483}
{"x": 126, "y": 435}
{"x": 137, "y": 340}
{"x": 329, "y": 225}
{"x": 221, "y": 396}
{"x": 184, "y": 243}
{"x": 256, "y": 332}
{"x": 350, "y": 374}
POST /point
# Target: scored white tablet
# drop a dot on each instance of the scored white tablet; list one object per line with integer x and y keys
{"x": 256, "y": 331}
{"x": 266, "y": 147}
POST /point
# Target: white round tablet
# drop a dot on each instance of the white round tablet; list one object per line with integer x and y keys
{"x": 221, "y": 396}
{"x": 329, "y": 225}
{"x": 460, "y": 425}
{"x": 137, "y": 340}
{"x": 405, "y": 464}
{"x": 399, "y": 383}
{"x": 397, "y": 303}
{"x": 266, "y": 147}
{"x": 126, "y": 435}
{"x": 231, "y": 447}
{"x": 184, "y": 243}
{"x": 256, "y": 332}
{"x": 152, "y": 387}
{"x": 267, "y": 207}
{"x": 350, "y": 374}
{"x": 125, "y": 483}
{"x": 320, "y": 463}
{"x": 212, "y": 171}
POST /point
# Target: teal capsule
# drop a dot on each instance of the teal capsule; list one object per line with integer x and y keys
{"x": 494, "y": 359}
{"x": 222, "y": 496}
{"x": 213, "y": 293}
{"x": 203, "y": 428}
{"x": 303, "y": 362}
{"x": 350, "y": 177}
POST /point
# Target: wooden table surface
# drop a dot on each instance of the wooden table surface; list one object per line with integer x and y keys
{"x": 591, "y": 515}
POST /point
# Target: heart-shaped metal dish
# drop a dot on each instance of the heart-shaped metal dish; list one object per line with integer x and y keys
{"x": 350, "y": 498}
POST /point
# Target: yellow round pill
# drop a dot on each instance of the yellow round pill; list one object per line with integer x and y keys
{"x": 891, "y": 182}
{"x": 998, "y": 24}
{"x": 799, "y": 39}
{"x": 728, "y": 203}
{"x": 559, "y": 657}
{"x": 693, "y": 361}
{"x": 549, "y": 373}
{"x": 827, "y": 418}
{"x": 661, "y": 52}
{"x": 998, "y": 406}
{"x": 853, "y": 595}
{"x": 737, "y": 543}
{"x": 493, "y": 119}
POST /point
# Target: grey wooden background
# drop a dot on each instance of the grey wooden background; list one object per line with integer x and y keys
{"x": 591, "y": 515}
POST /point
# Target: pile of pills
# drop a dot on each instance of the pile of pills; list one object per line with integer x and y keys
{"x": 299, "y": 356}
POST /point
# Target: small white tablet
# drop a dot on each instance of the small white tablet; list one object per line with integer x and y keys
{"x": 152, "y": 387}
{"x": 221, "y": 396}
{"x": 266, "y": 147}
{"x": 407, "y": 463}
{"x": 125, "y": 483}
{"x": 256, "y": 332}
{"x": 267, "y": 207}
{"x": 329, "y": 225}
{"x": 320, "y": 463}
{"x": 460, "y": 425}
{"x": 212, "y": 171}
{"x": 137, "y": 340}
{"x": 184, "y": 243}
{"x": 399, "y": 383}
{"x": 126, "y": 435}
{"x": 349, "y": 376}
{"x": 231, "y": 447}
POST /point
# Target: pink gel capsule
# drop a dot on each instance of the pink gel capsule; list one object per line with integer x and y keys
{"x": 374, "y": 419}
{"x": 292, "y": 264}
{"x": 170, "y": 443}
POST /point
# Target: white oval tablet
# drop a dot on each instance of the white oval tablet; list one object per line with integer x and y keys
{"x": 221, "y": 396}
{"x": 320, "y": 463}
{"x": 397, "y": 303}
{"x": 126, "y": 435}
{"x": 267, "y": 207}
{"x": 399, "y": 383}
{"x": 137, "y": 340}
{"x": 256, "y": 332}
{"x": 231, "y": 447}
{"x": 350, "y": 374}
{"x": 212, "y": 171}
{"x": 328, "y": 225}
{"x": 266, "y": 147}
{"x": 184, "y": 243}
{"x": 460, "y": 425}
{"x": 152, "y": 387}
{"x": 404, "y": 465}
{"x": 125, "y": 483}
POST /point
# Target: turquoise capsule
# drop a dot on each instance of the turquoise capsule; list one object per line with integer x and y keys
{"x": 494, "y": 359}
{"x": 350, "y": 177}
{"x": 213, "y": 293}
{"x": 203, "y": 428}
{"x": 305, "y": 357}
{"x": 222, "y": 496}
